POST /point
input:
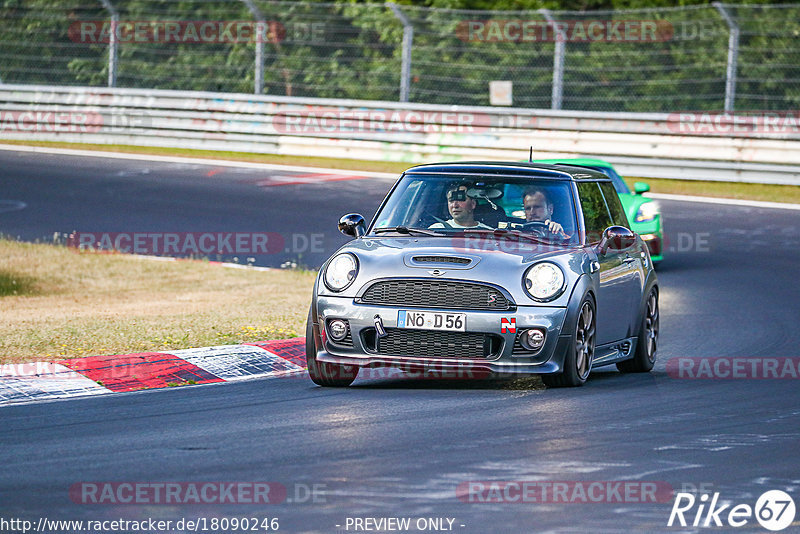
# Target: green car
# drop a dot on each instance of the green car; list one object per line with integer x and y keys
{"x": 643, "y": 213}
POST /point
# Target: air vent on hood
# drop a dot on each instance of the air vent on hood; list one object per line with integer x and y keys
{"x": 442, "y": 259}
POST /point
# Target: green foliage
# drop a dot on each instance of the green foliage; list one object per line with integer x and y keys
{"x": 354, "y": 49}
{"x": 35, "y": 46}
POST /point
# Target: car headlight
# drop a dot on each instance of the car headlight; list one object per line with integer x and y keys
{"x": 647, "y": 212}
{"x": 544, "y": 281}
{"x": 341, "y": 272}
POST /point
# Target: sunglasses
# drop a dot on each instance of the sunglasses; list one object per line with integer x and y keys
{"x": 458, "y": 194}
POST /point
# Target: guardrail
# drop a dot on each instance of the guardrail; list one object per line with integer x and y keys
{"x": 761, "y": 149}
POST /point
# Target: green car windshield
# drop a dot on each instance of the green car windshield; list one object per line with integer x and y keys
{"x": 597, "y": 165}
{"x": 616, "y": 179}
{"x": 444, "y": 205}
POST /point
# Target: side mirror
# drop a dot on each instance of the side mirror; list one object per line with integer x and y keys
{"x": 616, "y": 238}
{"x": 353, "y": 224}
{"x": 641, "y": 187}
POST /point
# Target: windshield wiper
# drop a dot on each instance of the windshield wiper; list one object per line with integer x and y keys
{"x": 406, "y": 230}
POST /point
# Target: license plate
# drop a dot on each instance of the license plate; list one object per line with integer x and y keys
{"x": 432, "y": 320}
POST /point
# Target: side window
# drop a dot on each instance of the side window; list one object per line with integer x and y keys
{"x": 399, "y": 213}
{"x": 614, "y": 205}
{"x": 595, "y": 213}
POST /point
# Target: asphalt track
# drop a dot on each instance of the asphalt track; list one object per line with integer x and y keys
{"x": 401, "y": 447}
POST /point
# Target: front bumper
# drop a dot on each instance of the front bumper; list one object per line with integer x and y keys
{"x": 502, "y": 360}
{"x": 652, "y": 233}
{"x": 655, "y": 245}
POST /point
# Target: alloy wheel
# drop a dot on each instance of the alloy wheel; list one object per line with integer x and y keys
{"x": 584, "y": 341}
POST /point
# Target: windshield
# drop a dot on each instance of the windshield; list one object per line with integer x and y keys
{"x": 443, "y": 205}
{"x": 616, "y": 179}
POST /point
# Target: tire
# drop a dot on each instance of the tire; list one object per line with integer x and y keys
{"x": 323, "y": 373}
{"x": 647, "y": 345}
{"x": 578, "y": 360}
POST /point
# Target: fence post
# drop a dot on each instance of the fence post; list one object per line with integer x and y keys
{"x": 733, "y": 54}
{"x": 408, "y": 38}
{"x": 558, "y": 60}
{"x": 112, "y": 43}
{"x": 261, "y": 24}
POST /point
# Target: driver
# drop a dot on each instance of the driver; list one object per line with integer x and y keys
{"x": 539, "y": 208}
{"x": 461, "y": 208}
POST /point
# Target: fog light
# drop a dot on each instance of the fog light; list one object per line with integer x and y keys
{"x": 338, "y": 329}
{"x": 532, "y": 339}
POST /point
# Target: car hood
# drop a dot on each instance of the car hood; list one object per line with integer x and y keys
{"x": 501, "y": 262}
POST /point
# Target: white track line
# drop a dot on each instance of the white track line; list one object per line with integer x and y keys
{"x": 385, "y": 175}
{"x": 196, "y": 161}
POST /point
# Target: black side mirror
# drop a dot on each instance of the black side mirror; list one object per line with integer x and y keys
{"x": 616, "y": 238}
{"x": 353, "y": 224}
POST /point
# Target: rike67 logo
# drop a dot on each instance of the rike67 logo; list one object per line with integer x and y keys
{"x": 774, "y": 510}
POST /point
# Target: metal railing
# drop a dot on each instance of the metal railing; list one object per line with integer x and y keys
{"x": 642, "y": 144}
{"x": 704, "y": 57}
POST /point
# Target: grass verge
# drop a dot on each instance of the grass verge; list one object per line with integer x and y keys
{"x": 68, "y": 304}
{"x": 765, "y": 192}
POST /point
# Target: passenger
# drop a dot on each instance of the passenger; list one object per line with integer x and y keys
{"x": 461, "y": 209}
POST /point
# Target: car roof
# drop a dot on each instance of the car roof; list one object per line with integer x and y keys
{"x": 591, "y": 162}
{"x": 510, "y": 168}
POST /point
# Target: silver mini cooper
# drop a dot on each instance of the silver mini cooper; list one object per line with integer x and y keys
{"x": 494, "y": 268}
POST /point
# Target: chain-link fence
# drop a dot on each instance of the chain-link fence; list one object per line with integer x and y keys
{"x": 707, "y": 57}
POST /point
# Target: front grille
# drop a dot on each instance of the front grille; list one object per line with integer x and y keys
{"x": 442, "y": 259}
{"x": 436, "y": 294}
{"x": 437, "y": 344}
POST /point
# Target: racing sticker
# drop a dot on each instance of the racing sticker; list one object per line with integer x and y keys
{"x": 508, "y": 325}
{"x": 235, "y": 362}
